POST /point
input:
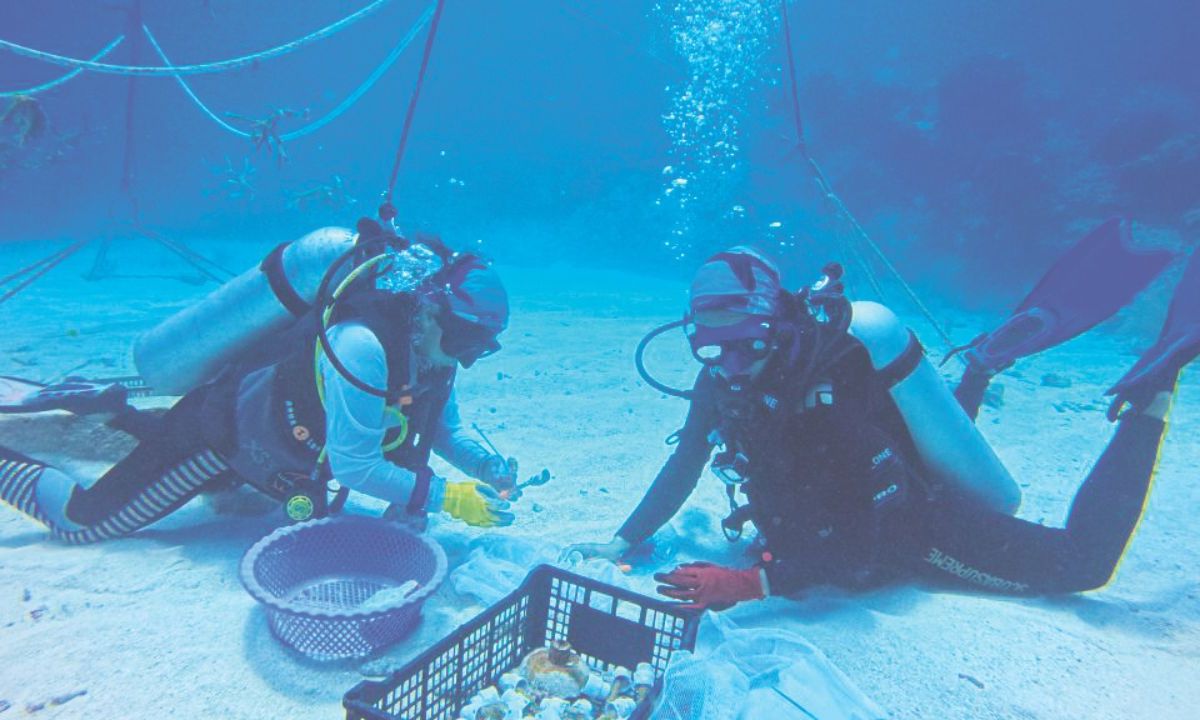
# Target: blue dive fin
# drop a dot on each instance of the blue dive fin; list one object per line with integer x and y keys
{"x": 74, "y": 394}
{"x": 1097, "y": 277}
{"x": 1178, "y": 344}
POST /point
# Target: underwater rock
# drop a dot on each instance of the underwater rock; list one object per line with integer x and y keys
{"x": 1163, "y": 181}
{"x": 1055, "y": 381}
{"x": 1135, "y": 134}
{"x": 67, "y": 697}
{"x": 987, "y": 97}
{"x": 1071, "y": 406}
{"x": 556, "y": 670}
{"x": 55, "y": 701}
{"x": 971, "y": 679}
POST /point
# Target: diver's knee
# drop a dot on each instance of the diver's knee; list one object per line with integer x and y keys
{"x": 879, "y": 330}
{"x": 1008, "y": 498}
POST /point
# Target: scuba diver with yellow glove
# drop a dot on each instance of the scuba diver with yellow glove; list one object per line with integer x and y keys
{"x": 287, "y": 394}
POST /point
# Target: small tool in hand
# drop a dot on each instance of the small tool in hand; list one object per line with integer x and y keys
{"x": 487, "y": 441}
{"x": 515, "y": 492}
{"x": 540, "y": 479}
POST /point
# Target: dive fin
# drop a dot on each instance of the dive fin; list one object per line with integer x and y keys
{"x": 1087, "y": 285}
{"x": 73, "y": 394}
{"x": 1178, "y": 344}
{"x": 1084, "y": 287}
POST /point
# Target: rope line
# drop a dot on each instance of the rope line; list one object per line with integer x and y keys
{"x": 46, "y": 264}
{"x": 29, "y": 268}
{"x": 132, "y": 20}
{"x": 69, "y": 76}
{"x": 883, "y": 258}
{"x": 843, "y": 211}
{"x": 212, "y": 67}
{"x": 367, "y": 84}
{"x": 188, "y": 255}
{"x": 188, "y": 88}
{"x": 791, "y": 63}
{"x": 387, "y": 211}
{"x": 321, "y": 122}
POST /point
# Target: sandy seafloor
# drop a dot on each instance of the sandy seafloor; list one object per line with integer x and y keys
{"x": 158, "y": 625}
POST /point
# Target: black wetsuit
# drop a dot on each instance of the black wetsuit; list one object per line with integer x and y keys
{"x": 839, "y": 496}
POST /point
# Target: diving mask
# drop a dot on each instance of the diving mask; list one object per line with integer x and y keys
{"x": 733, "y": 348}
{"x": 464, "y": 340}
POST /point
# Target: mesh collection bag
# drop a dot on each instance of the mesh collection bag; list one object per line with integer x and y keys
{"x": 497, "y": 564}
{"x": 752, "y": 673}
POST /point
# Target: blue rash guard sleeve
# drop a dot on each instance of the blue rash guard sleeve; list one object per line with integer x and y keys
{"x": 355, "y": 422}
{"x": 679, "y": 476}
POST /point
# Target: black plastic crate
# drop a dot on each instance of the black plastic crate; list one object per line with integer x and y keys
{"x": 607, "y": 625}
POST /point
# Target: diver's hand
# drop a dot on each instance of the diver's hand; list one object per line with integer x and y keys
{"x": 611, "y": 551}
{"x": 500, "y": 473}
{"x": 476, "y": 504}
{"x": 703, "y": 585}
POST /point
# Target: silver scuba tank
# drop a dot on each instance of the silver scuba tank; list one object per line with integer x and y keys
{"x": 190, "y": 347}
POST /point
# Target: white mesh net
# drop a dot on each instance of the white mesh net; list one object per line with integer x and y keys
{"x": 748, "y": 674}
{"x": 497, "y": 564}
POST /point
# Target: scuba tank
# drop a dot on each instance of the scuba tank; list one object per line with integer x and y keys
{"x": 193, "y": 345}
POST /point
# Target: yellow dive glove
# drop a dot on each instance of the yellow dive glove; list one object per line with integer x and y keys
{"x": 476, "y": 504}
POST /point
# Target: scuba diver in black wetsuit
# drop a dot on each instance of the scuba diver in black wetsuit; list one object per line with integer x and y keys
{"x": 358, "y": 388}
{"x": 856, "y": 462}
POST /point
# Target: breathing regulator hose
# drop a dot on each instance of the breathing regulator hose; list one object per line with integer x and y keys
{"x": 324, "y": 304}
{"x": 641, "y": 365}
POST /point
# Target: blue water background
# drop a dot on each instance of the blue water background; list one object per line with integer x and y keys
{"x": 972, "y": 140}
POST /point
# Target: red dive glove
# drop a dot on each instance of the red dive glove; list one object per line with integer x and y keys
{"x": 704, "y": 585}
